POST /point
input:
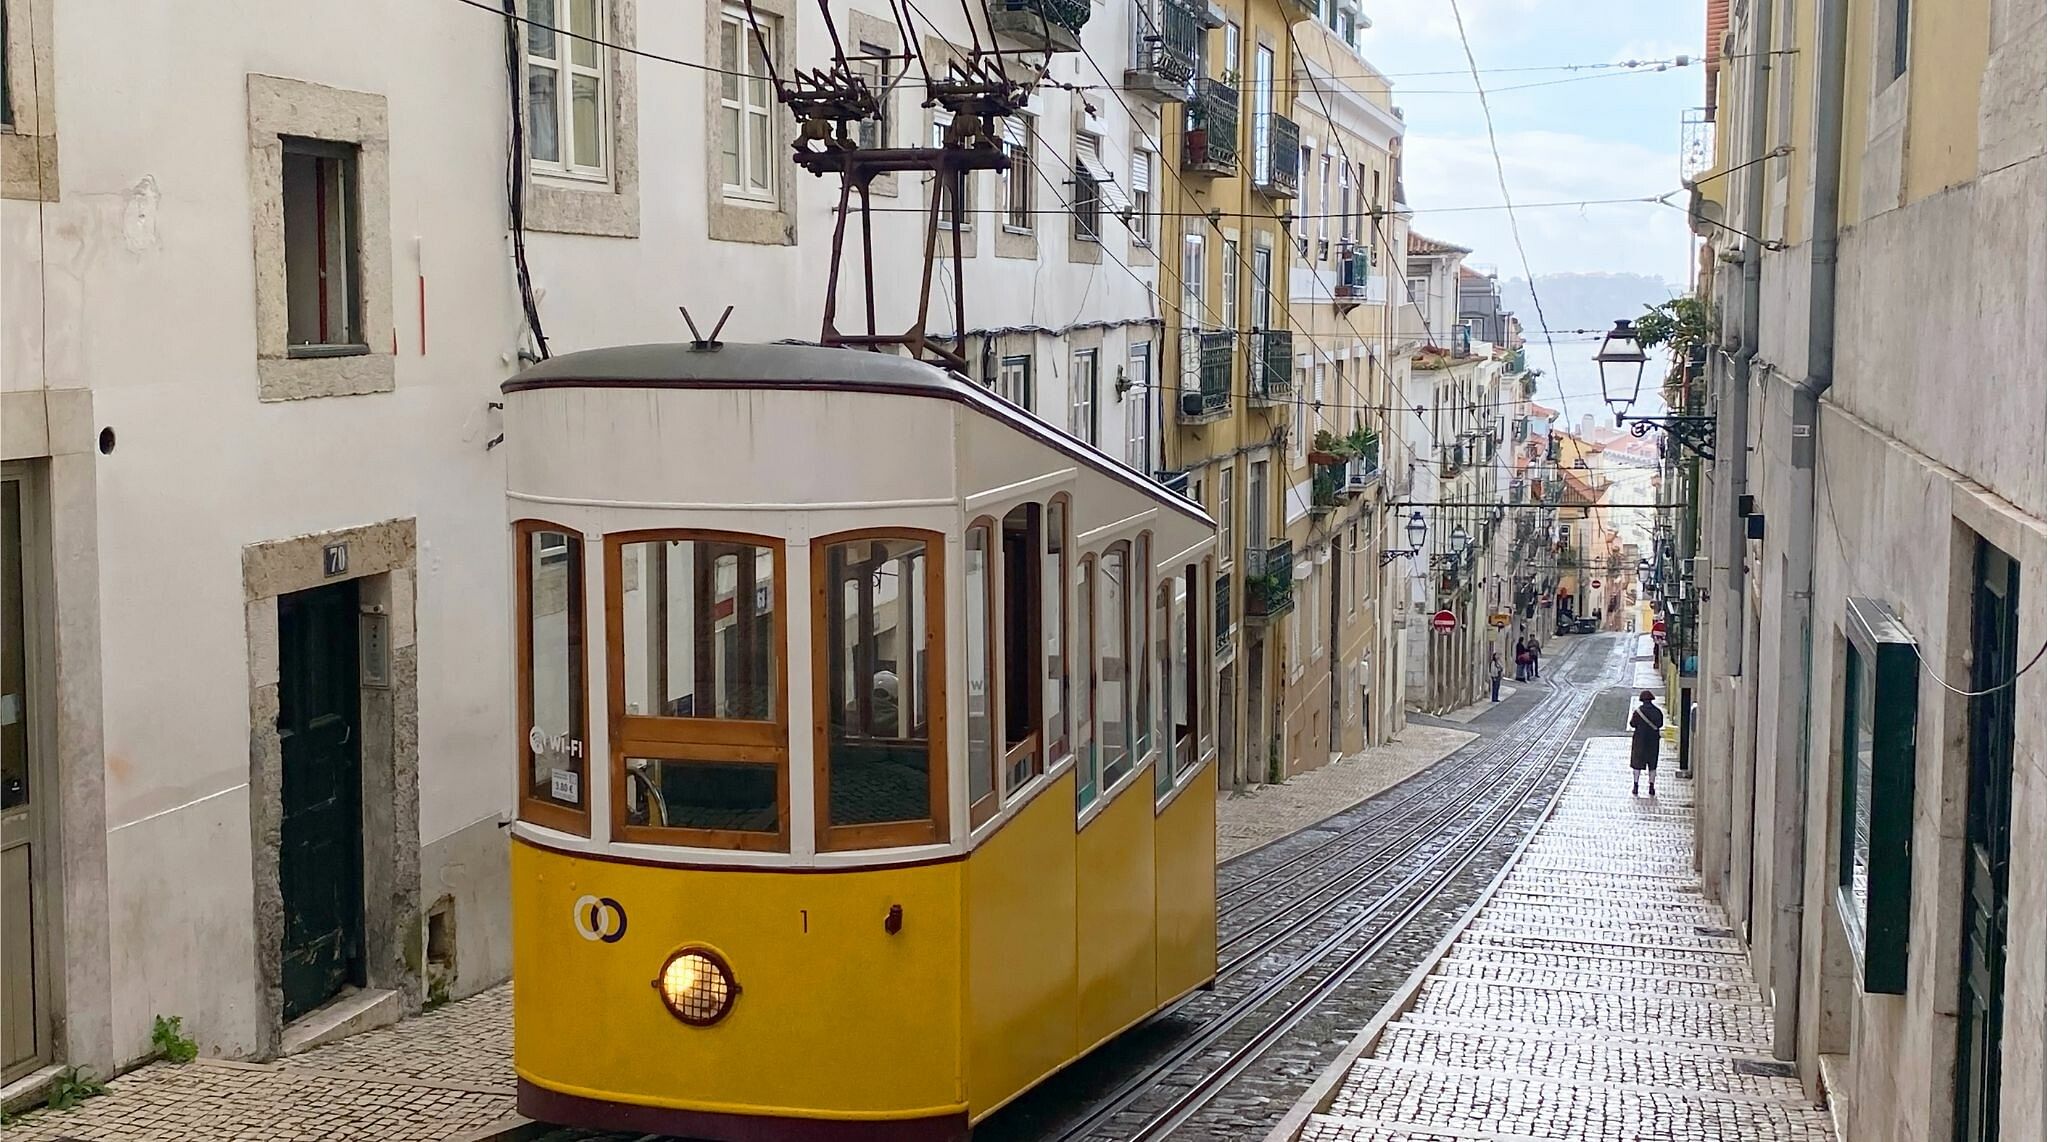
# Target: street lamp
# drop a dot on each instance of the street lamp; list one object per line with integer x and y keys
{"x": 1460, "y": 539}
{"x": 1418, "y": 531}
{"x": 1621, "y": 360}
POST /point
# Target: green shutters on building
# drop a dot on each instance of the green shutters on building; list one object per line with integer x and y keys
{"x": 1880, "y": 710}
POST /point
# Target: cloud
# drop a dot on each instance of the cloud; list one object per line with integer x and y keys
{"x": 1550, "y": 166}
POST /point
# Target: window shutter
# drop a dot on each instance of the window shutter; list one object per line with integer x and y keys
{"x": 1141, "y": 172}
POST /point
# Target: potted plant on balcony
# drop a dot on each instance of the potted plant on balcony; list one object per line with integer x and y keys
{"x": 1327, "y": 449}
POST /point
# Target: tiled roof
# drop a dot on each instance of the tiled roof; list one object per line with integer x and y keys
{"x": 1417, "y": 244}
{"x": 1717, "y": 27}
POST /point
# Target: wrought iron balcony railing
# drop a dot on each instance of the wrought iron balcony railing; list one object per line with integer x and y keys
{"x": 1276, "y": 172}
{"x": 1269, "y": 581}
{"x": 1354, "y": 272}
{"x": 1164, "y": 51}
{"x": 1205, "y": 391}
{"x": 1043, "y": 25}
{"x": 1272, "y": 365}
{"x": 1364, "y": 468}
{"x": 1223, "y": 613}
{"x": 1210, "y": 146}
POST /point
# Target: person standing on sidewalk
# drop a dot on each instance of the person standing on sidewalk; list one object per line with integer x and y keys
{"x": 1493, "y": 672}
{"x": 1521, "y": 660}
{"x": 1535, "y": 659}
{"x": 1646, "y": 731}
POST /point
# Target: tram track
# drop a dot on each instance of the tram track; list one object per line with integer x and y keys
{"x": 1175, "y": 1087}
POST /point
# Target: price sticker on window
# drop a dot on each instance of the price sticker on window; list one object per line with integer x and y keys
{"x": 562, "y": 785}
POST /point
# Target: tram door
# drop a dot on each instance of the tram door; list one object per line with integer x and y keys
{"x": 1994, "y": 639}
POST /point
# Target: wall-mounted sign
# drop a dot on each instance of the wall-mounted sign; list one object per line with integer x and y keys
{"x": 1498, "y": 620}
{"x": 1443, "y": 621}
{"x": 334, "y": 560}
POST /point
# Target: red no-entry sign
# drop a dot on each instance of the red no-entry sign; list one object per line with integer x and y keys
{"x": 1443, "y": 620}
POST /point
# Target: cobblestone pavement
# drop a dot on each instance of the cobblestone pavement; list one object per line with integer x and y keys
{"x": 1596, "y": 996}
{"x": 1258, "y": 814}
{"x": 441, "y": 1076}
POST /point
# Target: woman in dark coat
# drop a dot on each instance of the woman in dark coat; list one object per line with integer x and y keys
{"x": 1646, "y": 729}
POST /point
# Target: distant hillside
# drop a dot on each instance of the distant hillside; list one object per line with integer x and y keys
{"x": 1584, "y": 301}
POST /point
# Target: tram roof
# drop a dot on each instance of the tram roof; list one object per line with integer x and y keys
{"x": 683, "y": 365}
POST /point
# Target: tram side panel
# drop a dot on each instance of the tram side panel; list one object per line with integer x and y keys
{"x": 836, "y": 1017}
{"x": 1114, "y": 872}
{"x": 1186, "y": 869}
{"x": 1021, "y": 971}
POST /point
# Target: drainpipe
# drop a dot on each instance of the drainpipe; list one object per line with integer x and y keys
{"x": 1734, "y": 443}
{"x": 1790, "y": 856}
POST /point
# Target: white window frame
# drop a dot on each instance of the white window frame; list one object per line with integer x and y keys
{"x": 742, "y": 100}
{"x": 1019, "y": 134}
{"x": 1230, "y": 284}
{"x": 1084, "y": 402}
{"x": 1322, "y": 209}
{"x": 1194, "y": 266}
{"x": 1226, "y": 515}
{"x": 872, "y": 61}
{"x": 567, "y": 71}
{"x": 1013, "y": 380}
{"x": 1089, "y": 197}
{"x": 961, "y": 216}
{"x": 1141, "y": 196}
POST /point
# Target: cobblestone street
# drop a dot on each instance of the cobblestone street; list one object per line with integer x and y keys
{"x": 1595, "y": 996}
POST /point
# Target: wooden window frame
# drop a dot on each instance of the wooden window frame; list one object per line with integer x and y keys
{"x": 1061, "y": 747}
{"x": 1088, "y": 757}
{"x": 1166, "y": 769}
{"x": 1126, "y": 714}
{"x": 535, "y": 810}
{"x": 1031, "y": 748}
{"x": 708, "y": 740}
{"x": 1140, "y": 636}
{"x": 981, "y": 810}
{"x": 935, "y": 829}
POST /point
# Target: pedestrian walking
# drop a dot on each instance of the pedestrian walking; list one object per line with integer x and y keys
{"x": 1535, "y": 659}
{"x": 1521, "y": 660}
{"x": 1646, "y": 731}
{"x": 1494, "y": 672}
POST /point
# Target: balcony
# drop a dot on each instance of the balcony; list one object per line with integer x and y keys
{"x": 1163, "y": 53}
{"x": 1272, "y": 366}
{"x": 1327, "y": 486}
{"x": 1210, "y": 147}
{"x": 1269, "y": 582}
{"x": 1040, "y": 25}
{"x": 1453, "y": 460}
{"x": 1354, "y": 275}
{"x": 1205, "y": 377}
{"x": 1276, "y": 165}
{"x": 1175, "y": 482}
{"x": 1364, "y": 468}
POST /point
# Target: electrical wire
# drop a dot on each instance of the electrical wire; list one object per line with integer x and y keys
{"x": 515, "y": 178}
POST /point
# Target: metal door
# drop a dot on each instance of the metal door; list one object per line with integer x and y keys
{"x": 320, "y": 840}
{"x": 24, "y": 1008}
{"x": 1994, "y": 635}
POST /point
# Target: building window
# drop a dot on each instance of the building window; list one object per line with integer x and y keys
{"x": 1226, "y": 513}
{"x": 323, "y": 282}
{"x": 553, "y": 738}
{"x": 1233, "y": 51}
{"x": 872, "y": 64}
{"x": 1141, "y": 196}
{"x": 1322, "y": 209}
{"x": 748, "y": 104}
{"x": 954, "y": 188}
{"x": 1137, "y": 424}
{"x": 1902, "y": 36}
{"x": 1013, "y": 382}
{"x": 566, "y": 88}
{"x": 6, "y": 93}
{"x": 1874, "y": 874}
{"x": 1193, "y": 281}
{"x": 1087, "y": 193}
{"x": 1087, "y": 424}
{"x": 879, "y": 660}
{"x": 1017, "y": 180}
{"x": 1230, "y": 285}
{"x": 696, "y": 662}
{"x": 1344, "y": 201}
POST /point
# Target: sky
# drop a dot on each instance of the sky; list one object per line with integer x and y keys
{"x": 1610, "y": 136}
{"x": 1604, "y": 134}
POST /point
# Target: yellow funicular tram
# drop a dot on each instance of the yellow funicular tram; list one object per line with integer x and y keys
{"x": 865, "y": 730}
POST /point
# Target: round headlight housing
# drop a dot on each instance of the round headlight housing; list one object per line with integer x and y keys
{"x": 697, "y": 986}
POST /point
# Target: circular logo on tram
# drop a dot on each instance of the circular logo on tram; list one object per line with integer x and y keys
{"x": 600, "y": 918}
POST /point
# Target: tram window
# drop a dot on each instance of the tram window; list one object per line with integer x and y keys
{"x": 699, "y": 629}
{"x": 1088, "y": 768}
{"x": 1201, "y": 663}
{"x": 1055, "y": 579}
{"x": 1141, "y": 662}
{"x": 878, "y": 685}
{"x": 1187, "y": 687}
{"x": 1022, "y": 759}
{"x": 552, "y": 652}
{"x": 1162, "y": 630}
{"x": 981, "y": 698}
{"x": 737, "y": 796}
{"x": 1112, "y": 647}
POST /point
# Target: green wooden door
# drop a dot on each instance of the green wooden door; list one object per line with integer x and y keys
{"x": 320, "y": 854}
{"x": 1981, "y": 1015}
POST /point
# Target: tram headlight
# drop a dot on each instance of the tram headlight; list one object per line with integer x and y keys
{"x": 696, "y": 986}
